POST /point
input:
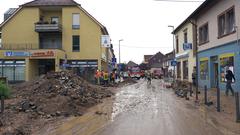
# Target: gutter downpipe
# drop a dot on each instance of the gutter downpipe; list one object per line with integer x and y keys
{"x": 193, "y": 22}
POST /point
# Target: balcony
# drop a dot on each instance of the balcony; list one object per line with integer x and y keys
{"x": 48, "y": 27}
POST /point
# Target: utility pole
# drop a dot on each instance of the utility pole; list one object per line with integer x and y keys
{"x": 120, "y": 50}
{"x": 174, "y": 55}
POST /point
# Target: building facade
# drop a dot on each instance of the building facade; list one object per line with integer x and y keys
{"x": 156, "y": 62}
{"x": 218, "y": 49}
{"x": 168, "y": 69}
{"x": 42, "y": 36}
{"x": 184, "y": 50}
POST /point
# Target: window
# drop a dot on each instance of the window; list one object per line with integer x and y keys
{"x": 76, "y": 43}
{"x": 226, "y": 22}
{"x": 177, "y": 44}
{"x": 185, "y": 69}
{"x": 203, "y": 34}
{"x": 54, "y": 20}
{"x": 178, "y": 69}
{"x": 76, "y": 21}
{"x": 226, "y": 62}
{"x": 185, "y": 36}
{"x": 204, "y": 69}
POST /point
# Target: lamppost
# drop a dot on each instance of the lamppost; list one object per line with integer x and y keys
{"x": 174, "y": 55}
{"x": 120, "y": 50}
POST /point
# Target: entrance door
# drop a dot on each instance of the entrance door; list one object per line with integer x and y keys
{"x": 214, "y": 72}
{"x": 215, "y": 79}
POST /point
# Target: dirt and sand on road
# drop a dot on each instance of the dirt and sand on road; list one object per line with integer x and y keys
{"x": 50, "y": 98}
{"x": 142, "y": 109}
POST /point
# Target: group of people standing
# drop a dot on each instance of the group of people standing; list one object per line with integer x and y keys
{"x": 104, "y": 78}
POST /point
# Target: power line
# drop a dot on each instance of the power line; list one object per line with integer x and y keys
{"x": 144, "y": 47}
{"x": 179, "y": 0}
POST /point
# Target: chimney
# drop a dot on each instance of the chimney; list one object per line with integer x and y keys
{"x": 9, "y": 12}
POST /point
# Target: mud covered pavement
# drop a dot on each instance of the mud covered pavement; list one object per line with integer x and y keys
{"x": 153, "y": 110}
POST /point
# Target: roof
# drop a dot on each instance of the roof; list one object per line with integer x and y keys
{"x": 50, "y": 3}
{"x": 155, "y": 55}
{"x": 147, "y": 57}
{"x": 205, "y": 4}
{"x": 56, "y": 3}
{"x": 131, "y": 64}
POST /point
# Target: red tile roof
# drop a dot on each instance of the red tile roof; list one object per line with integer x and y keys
{"x": 51, "y": 3}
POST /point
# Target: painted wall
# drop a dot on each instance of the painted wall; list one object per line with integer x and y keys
{"x": 89, "y": 32}
{"x": 49, "y": 14}
{"x": 224, "y": 49}
{"x": 191, "y": 59}
{"x": 211, "y": 16}
{"x": 20, "y": 30}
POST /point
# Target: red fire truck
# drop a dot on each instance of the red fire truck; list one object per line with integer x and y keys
{"x": 135, "y": 72}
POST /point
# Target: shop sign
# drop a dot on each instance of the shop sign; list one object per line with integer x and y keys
{"x": 43, "y": 54}
{"x": 173, "y": 63}
{"x": 105, "y": 41}
{"x": 187, "y": 46}
{"x": 16, "y": 54}
{"x": 182, "y": 55}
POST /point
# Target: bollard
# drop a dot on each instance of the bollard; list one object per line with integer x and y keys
{"x": 191, "y": 89}
{"x": 205, "y": 94}
{"x": 237, "y": 107}
{"x": 218, "y": 98}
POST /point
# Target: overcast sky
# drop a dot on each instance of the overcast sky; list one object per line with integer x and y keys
{"x": 142, "y": 24}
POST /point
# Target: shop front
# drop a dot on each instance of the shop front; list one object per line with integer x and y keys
{"x": 20, "y": 66}
{"x": 212, "y": 68}
{"x": 14, "y": 70}
{"x": 84, "y": 68}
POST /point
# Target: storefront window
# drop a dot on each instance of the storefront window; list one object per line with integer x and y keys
{"x": 226, "y": 63}
{"x": 8, "y": 71}
{"x": 204, "y": 70}
{"x": 185, "y": 69}
{"x": 14, "y": 70}
{"x": 178, "y": 69}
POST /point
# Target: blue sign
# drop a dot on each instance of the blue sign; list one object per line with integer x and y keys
{"x": 114, "y": 60}
{"x": 173, "y": 63}
{"x": 187, "y": 46}
{"x": 16, "y": 54}
{"x": 66, "y": 65}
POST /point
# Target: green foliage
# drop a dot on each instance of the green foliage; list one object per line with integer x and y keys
{"x": 4, "y": 90}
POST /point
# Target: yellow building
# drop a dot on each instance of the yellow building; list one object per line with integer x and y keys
{"x": 42, "y": 36}
{"x": 185, "y": 51}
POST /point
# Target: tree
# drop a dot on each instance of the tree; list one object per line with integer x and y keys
{"x": 4, "y": 93}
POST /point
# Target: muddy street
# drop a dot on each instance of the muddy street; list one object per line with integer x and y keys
{"x": 153, "y": 110}
{"x": 141, "y": 109}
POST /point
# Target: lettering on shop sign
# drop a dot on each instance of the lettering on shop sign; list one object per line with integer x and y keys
{"x": 43, "y": 54}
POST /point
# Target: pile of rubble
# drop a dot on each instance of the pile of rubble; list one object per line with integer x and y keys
{"x": 57, "y": 94}
{"x": 182, "y": 88}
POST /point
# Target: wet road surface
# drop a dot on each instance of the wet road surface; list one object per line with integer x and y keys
{"x": 142, "y": 109}
{"x": 153, "y": 110}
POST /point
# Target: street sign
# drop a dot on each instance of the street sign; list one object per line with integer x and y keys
{"x": 105, "y": 41}
{"x": 173, "y": 63}
{"x": 187, "y": 46}
{"x": 114, "y": 60}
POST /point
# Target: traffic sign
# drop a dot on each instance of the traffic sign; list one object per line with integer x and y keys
{"x": 173, "y": 63}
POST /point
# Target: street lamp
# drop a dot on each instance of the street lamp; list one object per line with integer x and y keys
{"x": 120, "y": 50}
{"x": 171, "y": 26}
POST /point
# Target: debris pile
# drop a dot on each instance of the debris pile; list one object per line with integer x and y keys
{"x": 182, "y": 89}
{"x": 56, "y": 94}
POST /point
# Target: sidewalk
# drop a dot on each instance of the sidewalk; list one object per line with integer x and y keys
{"x": 226, "y": 118}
